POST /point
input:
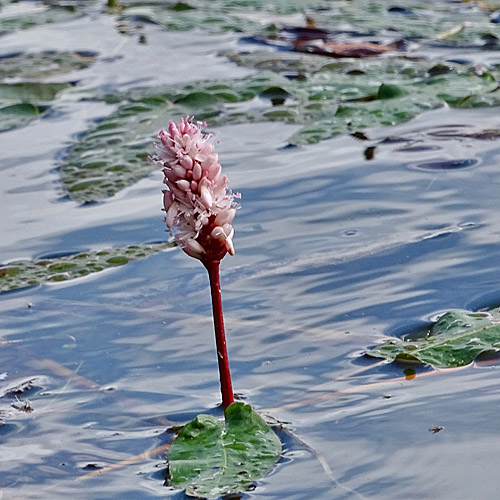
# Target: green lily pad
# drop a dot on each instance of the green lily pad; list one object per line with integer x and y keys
{"x": 32, "y": 66}
{"x": 24, "y": 273}
{"x": 456, "y": 339}
{"x": 210, "y": 458}
{"x": 345, "y": 96}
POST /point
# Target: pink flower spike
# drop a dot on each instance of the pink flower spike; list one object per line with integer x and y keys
{"x": 214, "y": 171}
{"x": 178, "y": 171}
{"x": 206, "y": 164}
{"x": 186, "y": 162}
{"x": 228, "y": 230}
{"x": 167, "y": 199}
{"x": 172, "y": 130}
{"x": 199, "y": 211}
{"x": 198, "y": 204}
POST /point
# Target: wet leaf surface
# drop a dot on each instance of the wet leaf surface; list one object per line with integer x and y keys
{"x": 456, "y": 339}
{"x": 24, "y": 273}
{"x": 210, "y": 458}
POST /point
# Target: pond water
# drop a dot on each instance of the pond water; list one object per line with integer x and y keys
{"x": 336, "y": 248}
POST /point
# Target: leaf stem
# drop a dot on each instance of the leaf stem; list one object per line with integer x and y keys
{"x": 226, "y": 385}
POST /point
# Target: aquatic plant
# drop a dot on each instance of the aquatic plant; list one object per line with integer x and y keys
{"x": 199, "y": 210}
{"x": 208, "y": 459}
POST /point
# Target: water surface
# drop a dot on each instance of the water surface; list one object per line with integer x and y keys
{"x": 334, "y": 251}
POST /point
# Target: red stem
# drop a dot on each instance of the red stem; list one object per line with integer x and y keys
{"x": 226, "y": 385}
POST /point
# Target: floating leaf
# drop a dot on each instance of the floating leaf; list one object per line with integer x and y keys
{"x": 456, "y": 339}
{"x": 263, "y": 18}
{"x": 210, "y": 458}
{"x": 30, "y": 91}
{"x": 326, "y": 98}
{"x": 43, "y": 64}
{"x": 18, "y": 115}
{"x": 23, "y": 273}
{"x": 21, "y": 103}
{"x": 113, "y": 155}
{"x": 344, "y": 97}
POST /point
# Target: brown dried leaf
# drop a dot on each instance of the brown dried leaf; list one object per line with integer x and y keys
{"x": 351, "y": 49}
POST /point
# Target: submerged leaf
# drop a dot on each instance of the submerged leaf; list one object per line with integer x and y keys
{"x": 21, "y": 103}
{"x": 43, "y": 64}
{"x": 30, "y": 91}
{"x": 456, "y": 339}
{"x": 113, "y": 155}
{"x": 17, "y": 115}
{"x": 210, "y": 458}
{"x": 334, "y": 98}
{"x": 24, "y": 273}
